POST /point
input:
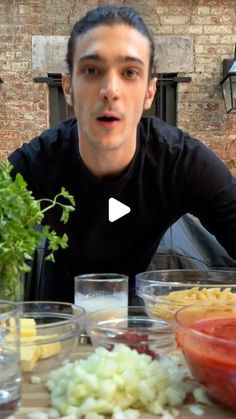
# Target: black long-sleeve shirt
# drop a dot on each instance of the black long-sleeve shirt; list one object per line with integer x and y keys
{"x": 170, "y": 174}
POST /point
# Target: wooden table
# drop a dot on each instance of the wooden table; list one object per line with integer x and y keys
{"x": 36, "y": 397}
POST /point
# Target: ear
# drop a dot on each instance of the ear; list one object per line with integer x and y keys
{"x": 151, "y": 90}
{"x": 67, "y": 89}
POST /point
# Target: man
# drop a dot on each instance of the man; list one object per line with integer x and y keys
{"x": 109, "y": 151}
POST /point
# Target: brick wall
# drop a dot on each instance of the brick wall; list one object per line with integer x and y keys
{"x": 211, "y": 24}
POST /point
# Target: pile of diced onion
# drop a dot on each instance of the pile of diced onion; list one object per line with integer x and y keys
{"x": 122, "y": 383}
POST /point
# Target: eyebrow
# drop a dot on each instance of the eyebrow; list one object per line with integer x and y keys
{"x": 97, "y": 57}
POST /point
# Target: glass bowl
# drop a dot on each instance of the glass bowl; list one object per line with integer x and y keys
{"x": 207, "y": 336}
{"x": 163, "y": 292}
{"x": 49, "y": 333}
{"x": 131, "y": 327}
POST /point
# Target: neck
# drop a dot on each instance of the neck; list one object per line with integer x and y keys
{"x": 103, "y": 163}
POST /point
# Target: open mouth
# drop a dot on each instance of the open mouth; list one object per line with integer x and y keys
{"x": 107, "y": 118}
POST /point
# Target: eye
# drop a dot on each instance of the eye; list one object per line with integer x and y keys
{"x": 131, "y": 73}
{"x": 91, "y": 71}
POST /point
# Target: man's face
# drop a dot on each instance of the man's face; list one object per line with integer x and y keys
{"x": 109, "y": 86}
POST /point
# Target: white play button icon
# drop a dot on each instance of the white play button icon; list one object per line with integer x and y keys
{"x": 116, "y": 210}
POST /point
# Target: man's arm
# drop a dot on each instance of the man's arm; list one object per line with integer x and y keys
{"x": 210, "y": 190}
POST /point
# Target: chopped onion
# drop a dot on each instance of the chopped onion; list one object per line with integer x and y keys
{"x": 200, "y": 396}
{"x": 37, "y": 414}
{"x": 35, "y": 379}
{"x": 120, "y": 383}
{"x": 196, "y": 410}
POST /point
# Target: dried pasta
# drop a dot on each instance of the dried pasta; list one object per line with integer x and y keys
{"x": 168, "y": 304}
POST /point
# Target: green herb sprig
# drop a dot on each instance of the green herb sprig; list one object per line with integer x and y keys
{"x": 20, "y": 213}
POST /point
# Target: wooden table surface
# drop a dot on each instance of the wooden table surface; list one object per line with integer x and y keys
{"x": 36, "y": 397}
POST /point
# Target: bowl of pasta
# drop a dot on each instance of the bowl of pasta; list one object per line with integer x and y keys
{"x": 163, "y": 292}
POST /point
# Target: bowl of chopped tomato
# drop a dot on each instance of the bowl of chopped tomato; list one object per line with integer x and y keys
{"x": 132, "y": 327}
{"x": 206, "y": 334}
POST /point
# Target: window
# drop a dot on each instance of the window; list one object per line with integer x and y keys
{"x": 58, "y": 108}
{"x": 164, "y": 103}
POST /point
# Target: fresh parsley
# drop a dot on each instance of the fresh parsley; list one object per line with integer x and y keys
{"x": 20, "y": 213}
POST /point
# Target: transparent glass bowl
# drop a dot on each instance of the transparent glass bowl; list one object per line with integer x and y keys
{"x": 163, "y": 292}
{"x": 207, "y": 336}
{"x": 131, "y": 327}
{"x": 50, "y": 332}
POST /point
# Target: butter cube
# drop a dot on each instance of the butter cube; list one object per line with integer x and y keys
{"x": 29, "y": 355}
{"x": 28, "y": 339}
{"x": 49, "y": 349}
{"x": 27, "y": 327}
{"x": 30, "y": 351}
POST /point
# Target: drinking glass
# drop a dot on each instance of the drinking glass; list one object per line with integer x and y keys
{"x": 10, "y": 377}
{"x": 101, "y": 290}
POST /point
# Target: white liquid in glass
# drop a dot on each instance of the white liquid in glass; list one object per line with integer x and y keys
{"x": 101, "y": 301}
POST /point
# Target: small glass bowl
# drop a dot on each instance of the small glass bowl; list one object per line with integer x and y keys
{"x": 165, "y": 291}
{"x": 49, "y": 333}
{"x": 131, "y": 327}
{"x": 207, "y": 336}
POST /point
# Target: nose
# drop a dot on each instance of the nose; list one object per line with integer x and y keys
{"x": 109, "y": 90}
